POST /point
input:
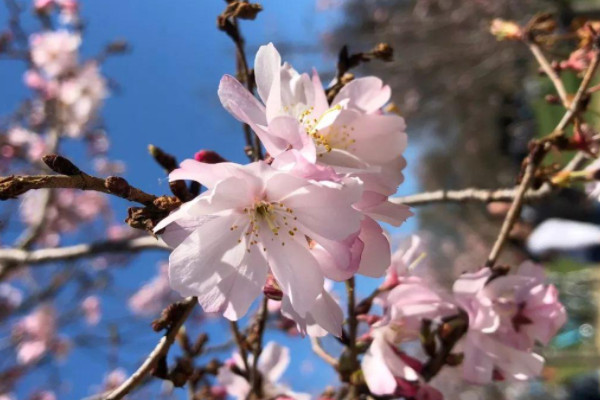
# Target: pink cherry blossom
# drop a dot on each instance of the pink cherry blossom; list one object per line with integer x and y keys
{"x": 368, "y": 252}
{"x": 91, "y": 310}
{"x": 351, "y": 135}
{"x": 54, "y": 52}
{"x": 114, "y": 379}
{"x": 10, "y": 299}
{"x": 272, "y": 363}
{"x": 387, "y": 369}
{"x": 67, "y": 210}
{"x": 507, "y": 316}
{"x": 81, "y": 97}
{"x": 32, "y": 144}
{"x": 249, "y": 217}
{"x": 44, "y": 395}
{"x": 326, "y": 316}
{"x": 153, "y": 296}
{"x": 404, "y": 261}
{"x": 36, "y": 335}
{"x": 40, "y": 5}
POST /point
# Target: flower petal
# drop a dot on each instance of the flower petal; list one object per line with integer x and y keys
{"x": 366, "y": 94}
{"x": 294, "y": 267}
{"x": 240, "y": 102}
{"x": 376, "y": 254}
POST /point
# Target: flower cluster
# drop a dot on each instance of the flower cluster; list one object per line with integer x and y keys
{"x": 501, "y": 316}
{"x": 272, "y": 364}
{"x": 36, "y": 336}
{"x": 65, "y": 212}
{"x": 307, "y": 214}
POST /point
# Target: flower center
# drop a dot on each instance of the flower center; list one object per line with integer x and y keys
{"x": 325, "y": 133}
{"x": 275, "y": 215}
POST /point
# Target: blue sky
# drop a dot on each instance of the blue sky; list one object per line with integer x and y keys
{"x": 168, "y": 97}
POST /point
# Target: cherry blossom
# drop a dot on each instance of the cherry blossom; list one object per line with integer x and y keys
{"x": 10, "y": 299}
{"x": 326, "y": 316}
{"x": 352, "y": 134}
{"x": 36, "y": 336}
{"x": 507, "y": 316}
{"x": 91, "y": 310}
{"x": 114, "y": 379}
{"x": 65, "y": 212}
{"x": 272, "y": 363}
{"x": 253, "y": 218}
{"x": 54, "y": 52}
{"x": 153, "y": 296}
{"x": 81, "y": 96}
{"x": 386, "y": 367}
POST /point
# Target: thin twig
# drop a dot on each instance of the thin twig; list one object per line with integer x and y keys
{"x": 513, "y": 212}
{"x": 320, "y": 351}
{"x": 469, "y": 195}
{"x": 550, "y": 72}
{"x": 29, "y": 237}
{"x": 240, "y": 341}
{"x": 261, "y": 323}
{"x": 12, "y": 259}
{"x": 16, "y": 185}
{"x": 161, "y": 350}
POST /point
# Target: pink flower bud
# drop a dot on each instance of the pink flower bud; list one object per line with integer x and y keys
{"x": 209, "y": 157}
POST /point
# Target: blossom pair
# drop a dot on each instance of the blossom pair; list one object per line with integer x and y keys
{"x": 308, "y": 214}
{"x": 57, "y": 75}
{"x": 506, "y": 316}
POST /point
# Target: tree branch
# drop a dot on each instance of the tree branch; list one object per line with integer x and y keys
{"x": 468, "y": 195}
{"x": 550, "y": 72}
{"x": 16, "y": 185}
{"x": 14, "y": 258}
{"x": 161, "y": 350}
{"x": 536, "y": 159}
{"x": 320, "y": 351}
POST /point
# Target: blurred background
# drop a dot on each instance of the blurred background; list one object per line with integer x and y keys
{"x": 471, "y": 103}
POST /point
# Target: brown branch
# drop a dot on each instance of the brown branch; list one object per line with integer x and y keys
{"x": 550, "y": 72}
{"x": 16, "y": 185}
{"x": 228, "y": 23}
{"x": 469, "y": 195}
{"x": 79, "y": 251}
{"x": 534, "y": 159}
{"x": 261, "y": 323}
{"x": 320, "y": 351}
{"x": 241, "y": 344}
{"x": 160, "y": 351}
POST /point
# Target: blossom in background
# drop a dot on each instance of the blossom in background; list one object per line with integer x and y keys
{"x": 10, "y": 299}
{"x": 92, "y": 310}
{"x": 154, "y": 296}
{"x": 507, "y": 316}
{"x": 65, "y": 212}
{"x": 36, "y": 336}
{"x": 54, "y": 52}
{"x": 114, "y": 379}
{"x": 250, "y": 219}
{"x": 43, "y": 395}
{"x": 81, "y": 96}
{"x": 29, "y": 143}
{"x": 324, "y": 317}
{"x": 272, "y": 363}
{"x": 386, "y": 367}
{"x": 409, "y": 254}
